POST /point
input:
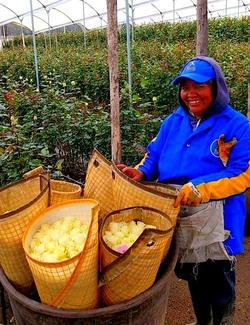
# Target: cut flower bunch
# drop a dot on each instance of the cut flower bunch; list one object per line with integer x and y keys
{"x": 59, "y": 241}
{"x": 122, "y": 235}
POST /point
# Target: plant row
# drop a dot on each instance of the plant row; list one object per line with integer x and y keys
{"x": 59, "y": 126}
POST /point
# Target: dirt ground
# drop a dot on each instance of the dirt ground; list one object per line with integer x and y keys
{"x": 180, "y": 311}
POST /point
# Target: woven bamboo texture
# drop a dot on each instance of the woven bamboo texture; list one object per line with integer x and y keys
{"x": 128, "y": 193}
{"x": 19, "y": 204}
{"x": 114, "y": 190}
{"x": 124, "y": 276}
{"x": 62, "y": 191}
{"x": 98, "y": 184}
{"x": 71, "y": 284}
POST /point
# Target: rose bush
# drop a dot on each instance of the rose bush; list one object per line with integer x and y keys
{"x": 60, "y": 125}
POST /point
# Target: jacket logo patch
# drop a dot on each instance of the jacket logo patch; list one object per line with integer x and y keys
{"x": 220, "y": 148}
{"x": 214, "y": 148}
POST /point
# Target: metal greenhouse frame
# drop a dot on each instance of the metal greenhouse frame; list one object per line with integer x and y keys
{"x": 47, "y": 15}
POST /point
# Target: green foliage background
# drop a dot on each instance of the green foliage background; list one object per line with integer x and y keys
{"x": 60, "y": 125}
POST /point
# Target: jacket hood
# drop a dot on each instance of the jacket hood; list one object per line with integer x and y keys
{"x": 221, "y": 95}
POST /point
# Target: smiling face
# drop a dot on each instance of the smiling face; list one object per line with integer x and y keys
{"x": 197, "y": 97}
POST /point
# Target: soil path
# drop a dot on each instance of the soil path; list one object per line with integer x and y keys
{"x": 180, "y": 310}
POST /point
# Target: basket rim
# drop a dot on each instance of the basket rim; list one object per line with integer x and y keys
{"x": 141, "y": 185}
{"x": 96, "y": 154}
{"x": 25, "y": 206}
{"x": 151, "y": 184}
{"x": 78, "y": 188}
{"x": 145, "y": 185}
{"x": 157, "y": 231}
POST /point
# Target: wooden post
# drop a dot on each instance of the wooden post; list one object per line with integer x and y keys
{"x": 113, "y": 80}
{"x": 202, "y": 28}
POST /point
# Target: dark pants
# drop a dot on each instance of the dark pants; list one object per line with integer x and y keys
{"x": 212, "y": 288}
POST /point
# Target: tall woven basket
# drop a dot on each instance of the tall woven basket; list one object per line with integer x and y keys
{"x": 71, "y": 284}
{"x": 19, "y": 204}
{"x": 126, "y": 275}
{"x": 114, "y": 190}
{"x": 62, "y": 191}
{"x": 98, "y": 184}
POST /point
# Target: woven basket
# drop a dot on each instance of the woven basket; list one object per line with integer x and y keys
{"x": 103, "y": 182}
{"x": 71, "y": 284}
{"x": 98, "y": 184}
{"x": 124, "y": 276}
{"x": 129, "y": 193}
{"x": 19, "y": 204}
{"x": 62, "y": 191}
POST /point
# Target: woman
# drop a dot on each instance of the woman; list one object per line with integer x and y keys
{"x": 204, "y": 148}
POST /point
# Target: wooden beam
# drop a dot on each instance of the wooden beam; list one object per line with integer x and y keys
{"x": 112, "y": 35}
{"x": 202, "y": 28}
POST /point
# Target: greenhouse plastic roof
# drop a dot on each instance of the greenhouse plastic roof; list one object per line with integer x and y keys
{"x": 51, "y": 14}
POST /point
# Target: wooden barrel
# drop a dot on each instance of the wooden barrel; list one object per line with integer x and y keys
{"x": 148, "y": 308}
{"x": 3, "y": 315}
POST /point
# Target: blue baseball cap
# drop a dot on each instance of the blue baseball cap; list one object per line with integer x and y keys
{"x": 197, "y": 70}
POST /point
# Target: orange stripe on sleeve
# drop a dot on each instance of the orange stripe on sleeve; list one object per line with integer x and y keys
{"x": 224, "y": 187}
{"x": 142, "y": 161}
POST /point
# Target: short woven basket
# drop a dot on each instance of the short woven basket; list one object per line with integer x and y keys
{"x": 62, "y": 191}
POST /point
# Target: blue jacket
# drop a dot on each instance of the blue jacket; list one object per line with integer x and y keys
{"x": 181, "y": 153}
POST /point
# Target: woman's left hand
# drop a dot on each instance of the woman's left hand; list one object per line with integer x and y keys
{"x": 188, "y": 195}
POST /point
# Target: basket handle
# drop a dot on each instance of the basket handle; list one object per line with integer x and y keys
{"x": 59, "y": 298}
{"x": 120, "y": 265}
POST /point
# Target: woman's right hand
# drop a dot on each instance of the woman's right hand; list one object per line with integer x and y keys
{"x": 131, "y": 172}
